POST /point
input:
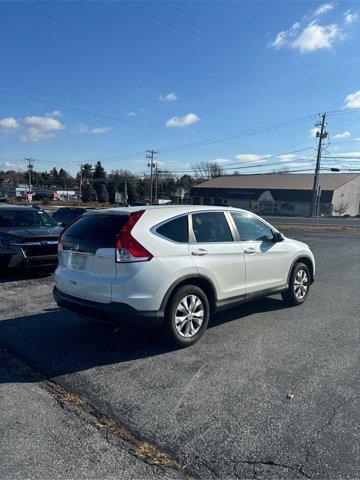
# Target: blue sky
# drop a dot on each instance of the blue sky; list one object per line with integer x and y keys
{"x": 193, "y": 70}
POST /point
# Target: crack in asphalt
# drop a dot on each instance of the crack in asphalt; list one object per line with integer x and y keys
{"x": 322, "y": 429}
{"x": 112, "y": 431}
{"x": 271, "y": 463}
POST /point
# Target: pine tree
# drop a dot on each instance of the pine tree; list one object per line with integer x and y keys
{"x": 112, "y": 190}
{"x": 88, "y": 193}
{"x": 103, "y": 195}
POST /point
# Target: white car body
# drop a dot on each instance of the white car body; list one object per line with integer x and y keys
{"x": 230, "y": 271}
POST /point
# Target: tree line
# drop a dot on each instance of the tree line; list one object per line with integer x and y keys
{"x": 99, "y": 185}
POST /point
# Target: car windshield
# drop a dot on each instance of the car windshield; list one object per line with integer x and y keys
{"x": 25, "y": 219}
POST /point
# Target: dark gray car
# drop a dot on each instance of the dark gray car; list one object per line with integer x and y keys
{"x": 28, "y": 237}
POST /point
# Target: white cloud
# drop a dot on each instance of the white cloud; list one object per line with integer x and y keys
{"x": 317, "y": 37}
{"x": 349, "y": 154}
{"x": 352, "y": 100}
{"x": 308, "y": 37}
{"x": 44, "y": 123}
{"x": 221, "y": 161}
{"x": 34, "y": 135}
{"x": 288, "y": 157}
{"x": 324, "y": 8}
{"x": 350, "y": 17}
{"x": 357, "y": 139}
{"x": 40, "y": 128}
{"x": 184, "y": 121}
{"x": 169, "y": 97}
{"x": 252, "y": 157}
{"x": 9, "y": 124}
{"x": 314, "y": 131}
{"x": 81, "y": 128}
{"x": 54, "y": 113}
{"x": 282, "y": 38}
{"x": 132, "y": 114}
{"x": 100, "y": 130}
{"x": 342, "y": 135}
{"x": 7, "y": 166}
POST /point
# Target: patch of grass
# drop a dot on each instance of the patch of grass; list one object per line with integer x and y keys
{"x": 146, "y": 450}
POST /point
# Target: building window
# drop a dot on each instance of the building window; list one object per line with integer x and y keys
{"x": 196, "y": 201}
{"x": 218, "y": 201}
{"x": 207, "y": 201}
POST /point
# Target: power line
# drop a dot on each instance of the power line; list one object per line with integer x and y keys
{"x": 223, "y": 139}
{"x": 336, "y": 160}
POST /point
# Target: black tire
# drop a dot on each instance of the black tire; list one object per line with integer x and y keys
{"x": 292, "y": 296}
{"x": 170, "y": 332}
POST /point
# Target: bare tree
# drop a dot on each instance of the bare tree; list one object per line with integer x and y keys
{"x": 207, "y": 170}
{"x": 341, "y": 207}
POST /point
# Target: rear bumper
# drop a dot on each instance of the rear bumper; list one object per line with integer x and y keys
{"x": 115, "y": 313}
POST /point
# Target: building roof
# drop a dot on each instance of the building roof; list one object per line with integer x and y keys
{"x": 279, "y": 181}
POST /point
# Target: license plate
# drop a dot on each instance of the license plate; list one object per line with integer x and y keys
{"x": 77, "y": 261}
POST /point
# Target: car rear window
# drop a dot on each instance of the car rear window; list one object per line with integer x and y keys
{"x": 175, "y": 229}
{"x": 97, "y": 230}
{"x": 68, "y": 215}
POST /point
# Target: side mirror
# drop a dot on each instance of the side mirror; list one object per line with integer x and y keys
{"x": 278, "y": 237}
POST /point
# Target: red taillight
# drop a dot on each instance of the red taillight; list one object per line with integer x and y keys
{"x": 128, "y": 249}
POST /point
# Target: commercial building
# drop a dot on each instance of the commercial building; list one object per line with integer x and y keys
{"x": 21, "y": 190}
{"x": 282, "y": 193}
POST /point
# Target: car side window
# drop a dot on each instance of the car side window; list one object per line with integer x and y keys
{"x": 175, "y": 229}
{"x": 211, "y": 227}
{"x": 250, "y": 228}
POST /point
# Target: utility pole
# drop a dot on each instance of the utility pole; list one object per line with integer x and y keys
{"x": 30, "y": 168}
{"x": 125, "y": 193}
{"x": 150, "y": 154}
{"x": 156, "y": 182}
{"x": 315, "y": 192}
{"x": 80, "y": 184}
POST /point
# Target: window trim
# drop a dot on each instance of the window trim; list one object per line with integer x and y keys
{"x": 254, "y": 217}
{"x": 154, "y": 231}
{"x": 192, "y": 239}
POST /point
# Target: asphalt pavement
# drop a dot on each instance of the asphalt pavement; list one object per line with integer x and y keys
{"x": 269, "y": 392}
{"x": 321, "y": 221}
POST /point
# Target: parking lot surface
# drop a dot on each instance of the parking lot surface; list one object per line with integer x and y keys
{"x": 269, "y": 392}
{"x": 353, "y": 222}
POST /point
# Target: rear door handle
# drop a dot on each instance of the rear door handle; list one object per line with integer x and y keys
{"x": 199, "y": 252}
{"x": 250, "y": 250}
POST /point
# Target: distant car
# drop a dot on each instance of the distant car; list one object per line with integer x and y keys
{"x": 28, "y": 237}
{"x": 65, "y": 215}
{"x": 173, "y": 266}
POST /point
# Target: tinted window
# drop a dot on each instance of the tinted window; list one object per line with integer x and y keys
{"x": 24, "y": 219}
{"x": 211, "y": 227}
{"x": 251, "y": 228}
{"x": 98, "y": 230}
{"x": 67, "y": 215}
{"x": 176, "y": 229}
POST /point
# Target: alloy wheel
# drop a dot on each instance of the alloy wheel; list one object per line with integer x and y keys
{"x": 301, "y": 284}
{"x": 189, "y": 316}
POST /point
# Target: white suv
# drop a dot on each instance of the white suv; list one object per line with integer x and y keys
{"x": 173, "y": 266}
